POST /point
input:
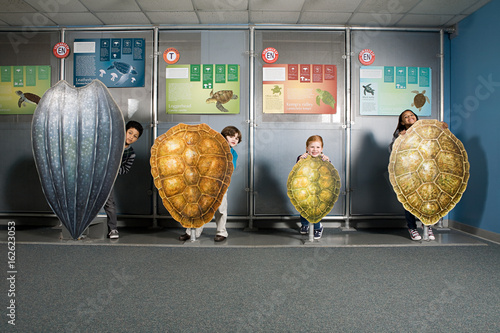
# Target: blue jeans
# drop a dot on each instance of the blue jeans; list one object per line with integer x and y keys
{"x": 303, "y": 221}
{"x": 410, "y": 220}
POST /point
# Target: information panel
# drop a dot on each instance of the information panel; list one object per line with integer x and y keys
{"x": 389, "y": 90}
{"x": 21, "y": 88}
{"x": 117, "y": 62}
{"x": 299, "y": 88}
{"x": 203, "y": 89}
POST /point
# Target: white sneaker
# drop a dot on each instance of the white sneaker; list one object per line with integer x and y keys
{"x": 431, "y": 234}
{"x": 113, "y": 234}
{"x": 414, "y": 235}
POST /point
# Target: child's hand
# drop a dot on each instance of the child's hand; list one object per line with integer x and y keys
{"x": 304, "y": 156}
{"x": 325, "y": 158}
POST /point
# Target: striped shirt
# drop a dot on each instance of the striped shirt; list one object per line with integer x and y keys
{"x": 128, "y": 158}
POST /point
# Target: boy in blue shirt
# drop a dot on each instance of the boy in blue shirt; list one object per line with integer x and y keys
{"x": 233, "y": 137}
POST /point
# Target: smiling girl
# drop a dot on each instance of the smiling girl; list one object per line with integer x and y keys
{"x": 314, "y": 148}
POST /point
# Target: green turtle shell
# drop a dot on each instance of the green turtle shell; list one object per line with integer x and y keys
{"x": 313, "y": 187}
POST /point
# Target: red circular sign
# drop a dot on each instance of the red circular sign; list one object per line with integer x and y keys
{"x": 61, "y": 50}
{"x": 171, "y": 55}
{"x": 270, "y": 55}
{"x": 366, "y": 57}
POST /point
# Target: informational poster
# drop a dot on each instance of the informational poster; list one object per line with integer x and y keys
{"x": 21, "y": 88}
{"x": 203, "y": 89}
{"x": 389, "y": 90}
{"x": 299, "y": 88}
{"x": 116, "y": 62}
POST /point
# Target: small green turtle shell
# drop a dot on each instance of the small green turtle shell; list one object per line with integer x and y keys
{"x": 313, "y": 187}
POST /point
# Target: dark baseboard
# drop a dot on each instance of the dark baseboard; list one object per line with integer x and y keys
{"x": 485, "y": 234}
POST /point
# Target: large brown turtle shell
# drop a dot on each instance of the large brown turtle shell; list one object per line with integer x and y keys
{"x": 428, "y": 170}
{"x": 313, "y": 187}
{"x": 191, "y": 167}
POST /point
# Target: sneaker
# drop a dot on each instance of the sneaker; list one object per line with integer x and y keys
{"x": 431, "y": 234}
{"x": 113, "y": 234}
{"x": 304, "y": 229}
{"x": 318, "y": 233}
{"x": 219, "y": 238}
{"x": 184, "y": 237}
{"x": 414, "y": 234}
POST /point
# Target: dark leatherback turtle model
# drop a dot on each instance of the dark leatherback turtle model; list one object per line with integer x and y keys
{"x": 77, "y": 136}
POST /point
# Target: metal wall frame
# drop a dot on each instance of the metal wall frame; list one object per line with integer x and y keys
{"x": 347, "y": 121}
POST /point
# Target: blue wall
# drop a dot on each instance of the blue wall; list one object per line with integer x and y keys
{"x": 475, "y": 114}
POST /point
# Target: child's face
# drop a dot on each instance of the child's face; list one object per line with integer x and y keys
{"x": 131, "y": 136}
{"x": 408, "y": 118}
{"x": 232, "y": 140}
{"x": 315, "y": 148}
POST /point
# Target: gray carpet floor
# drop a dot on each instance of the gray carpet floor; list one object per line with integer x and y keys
{"x": 175, "y": 289}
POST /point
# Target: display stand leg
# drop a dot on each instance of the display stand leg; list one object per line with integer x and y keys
{"x": 440, "y": 225}
{"x": 311, "y": 232}
{"x": 193, "y": 234}
{"x": 426, "y": 232}
{"x": 347, "y": 226}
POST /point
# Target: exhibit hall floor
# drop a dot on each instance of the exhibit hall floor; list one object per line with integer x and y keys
{"x": 265, "y": 280}
{"x": 270, "y": 237}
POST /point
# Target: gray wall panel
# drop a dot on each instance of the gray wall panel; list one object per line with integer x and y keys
{"x": 280, "y": 138}
{"x": 212, "y": 47}
{"x": 19, "y": 183}
{"x": 372, "y": 193}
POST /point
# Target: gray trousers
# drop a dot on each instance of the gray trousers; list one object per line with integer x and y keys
{"x": 220, "y": 220}
{"x": 110, "y": 209}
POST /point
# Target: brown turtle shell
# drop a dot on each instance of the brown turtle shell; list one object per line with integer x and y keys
{"x": 428, "y": 170}
{"x": 191, "y": 167}
{"x": 313, "y": 187}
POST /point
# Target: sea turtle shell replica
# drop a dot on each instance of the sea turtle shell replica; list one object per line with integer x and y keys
{"x": 77, "y": 137}
{"x": 191, "y": 167}
{"x": 313, "y": 187}
{"x": 428, "y": 170}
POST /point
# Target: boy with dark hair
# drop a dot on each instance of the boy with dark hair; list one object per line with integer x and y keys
{"x": 133, "y": 130}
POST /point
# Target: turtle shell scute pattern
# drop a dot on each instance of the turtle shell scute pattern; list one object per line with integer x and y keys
{"x": 191, "y": 167}
{"x": 313, "y": 187}
{"x": 428, "y": 170}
